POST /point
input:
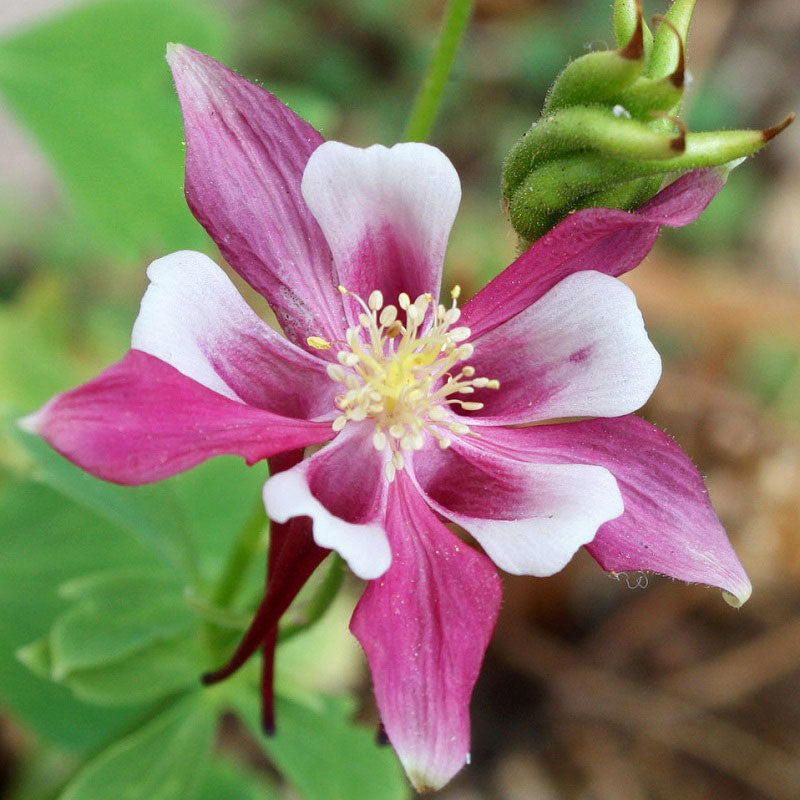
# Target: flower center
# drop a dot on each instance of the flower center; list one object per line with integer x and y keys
{"x": 403, "y": 376}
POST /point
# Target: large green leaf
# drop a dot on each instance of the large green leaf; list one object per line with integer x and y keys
{"x": 324, "y": 754}
{"x": 116, "y": 614}
{"x": 45, "y": 539}
{"x": 163, "y": 760}
{"x": 129, "y": 638}
{"x": 217, "y": 499}
{"x": 93, "y": 87}
{"x": 187, "y": 519}
{"x": 150, "y": 514}
{"x": 228, "y": 781}
{"x": 150, "y": 674}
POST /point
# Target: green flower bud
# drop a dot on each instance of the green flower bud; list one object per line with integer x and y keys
{"x": 556, "y": 186}
{"x": 609, "y": 134}
{"x": 669, "y": 40}
{"x": 585, "y": 128}
{"x": 627, "y": 17}
{"x": 645, "y": 95}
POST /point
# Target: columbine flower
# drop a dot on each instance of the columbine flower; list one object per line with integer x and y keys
{"x": 420, "y": 402}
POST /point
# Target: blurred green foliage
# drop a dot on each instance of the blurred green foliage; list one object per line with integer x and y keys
{"x": 91, "y": 86}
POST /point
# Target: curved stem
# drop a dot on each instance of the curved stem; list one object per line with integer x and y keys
{"x": 428, "y": 100}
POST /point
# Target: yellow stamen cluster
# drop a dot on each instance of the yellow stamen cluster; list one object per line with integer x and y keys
{"x": 401, "y": 375}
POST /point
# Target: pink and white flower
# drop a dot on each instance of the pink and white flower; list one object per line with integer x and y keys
{"x": 426, "y": 410}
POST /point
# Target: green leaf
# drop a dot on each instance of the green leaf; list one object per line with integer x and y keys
{"x": 116, "y": 614}
{"x": 217, "y": 499}
{"x": 165, "y": 759}
{"x": 45, "y": 539}
{"x": 325, "y": 755}
{"x": 228, "y": 781}
{"x": 37, "y": 657}
{"x": 150, "y": 674}
{"x": 93, "y": 87}
{"x": 129, "y": 638}
{"x": 148, "y": 513}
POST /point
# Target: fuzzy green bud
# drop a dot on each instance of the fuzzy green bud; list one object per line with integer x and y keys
{"x": 609, "y": 133}
{"x": 669, "y": 40}
{"x": 592, "y": 78}
{"x": 627, "y": 17}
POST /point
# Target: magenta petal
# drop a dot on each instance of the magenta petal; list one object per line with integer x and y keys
{"x": 245, "y": 156}
{"x": 669, "y": 525}
{"x": 601, "y": 239}
{"x": 425, "y": 626}
{"x": 141, "y": 420}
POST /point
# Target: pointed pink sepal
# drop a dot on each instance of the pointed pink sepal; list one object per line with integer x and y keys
{"x": 601, "y": 239}
{"x": 141, "y": 420}
{"x": 425, "y": 626}
{"x": 669, "y": 525}
{"x": 245, "y": 156}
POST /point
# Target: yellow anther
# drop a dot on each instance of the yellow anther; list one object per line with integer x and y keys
{"x": 388, "y": 315}
{"x": 455, "y": 292}
{"x": 375, "y": 300}
{"x": 342, "y": 290}
{"x": 318, "y": 343}
{"x": 405, "y": 378}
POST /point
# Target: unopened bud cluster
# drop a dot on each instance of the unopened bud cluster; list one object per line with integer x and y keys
{"x": 610, "y": 131}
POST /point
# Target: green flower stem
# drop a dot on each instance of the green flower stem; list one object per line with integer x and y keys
{"x": 420, "y": 122}
{"x": 321, "y": 600}
{"x": 246, "y": 547}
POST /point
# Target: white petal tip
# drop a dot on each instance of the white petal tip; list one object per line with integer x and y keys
{"x": 174, "y": 51}
{"x": 423, "y": 784}
{"x": 738, "y": 600}
{"x": 429, "y": 779}
{"x": 33, "y": 423}
{"x": 365, "y": 547}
